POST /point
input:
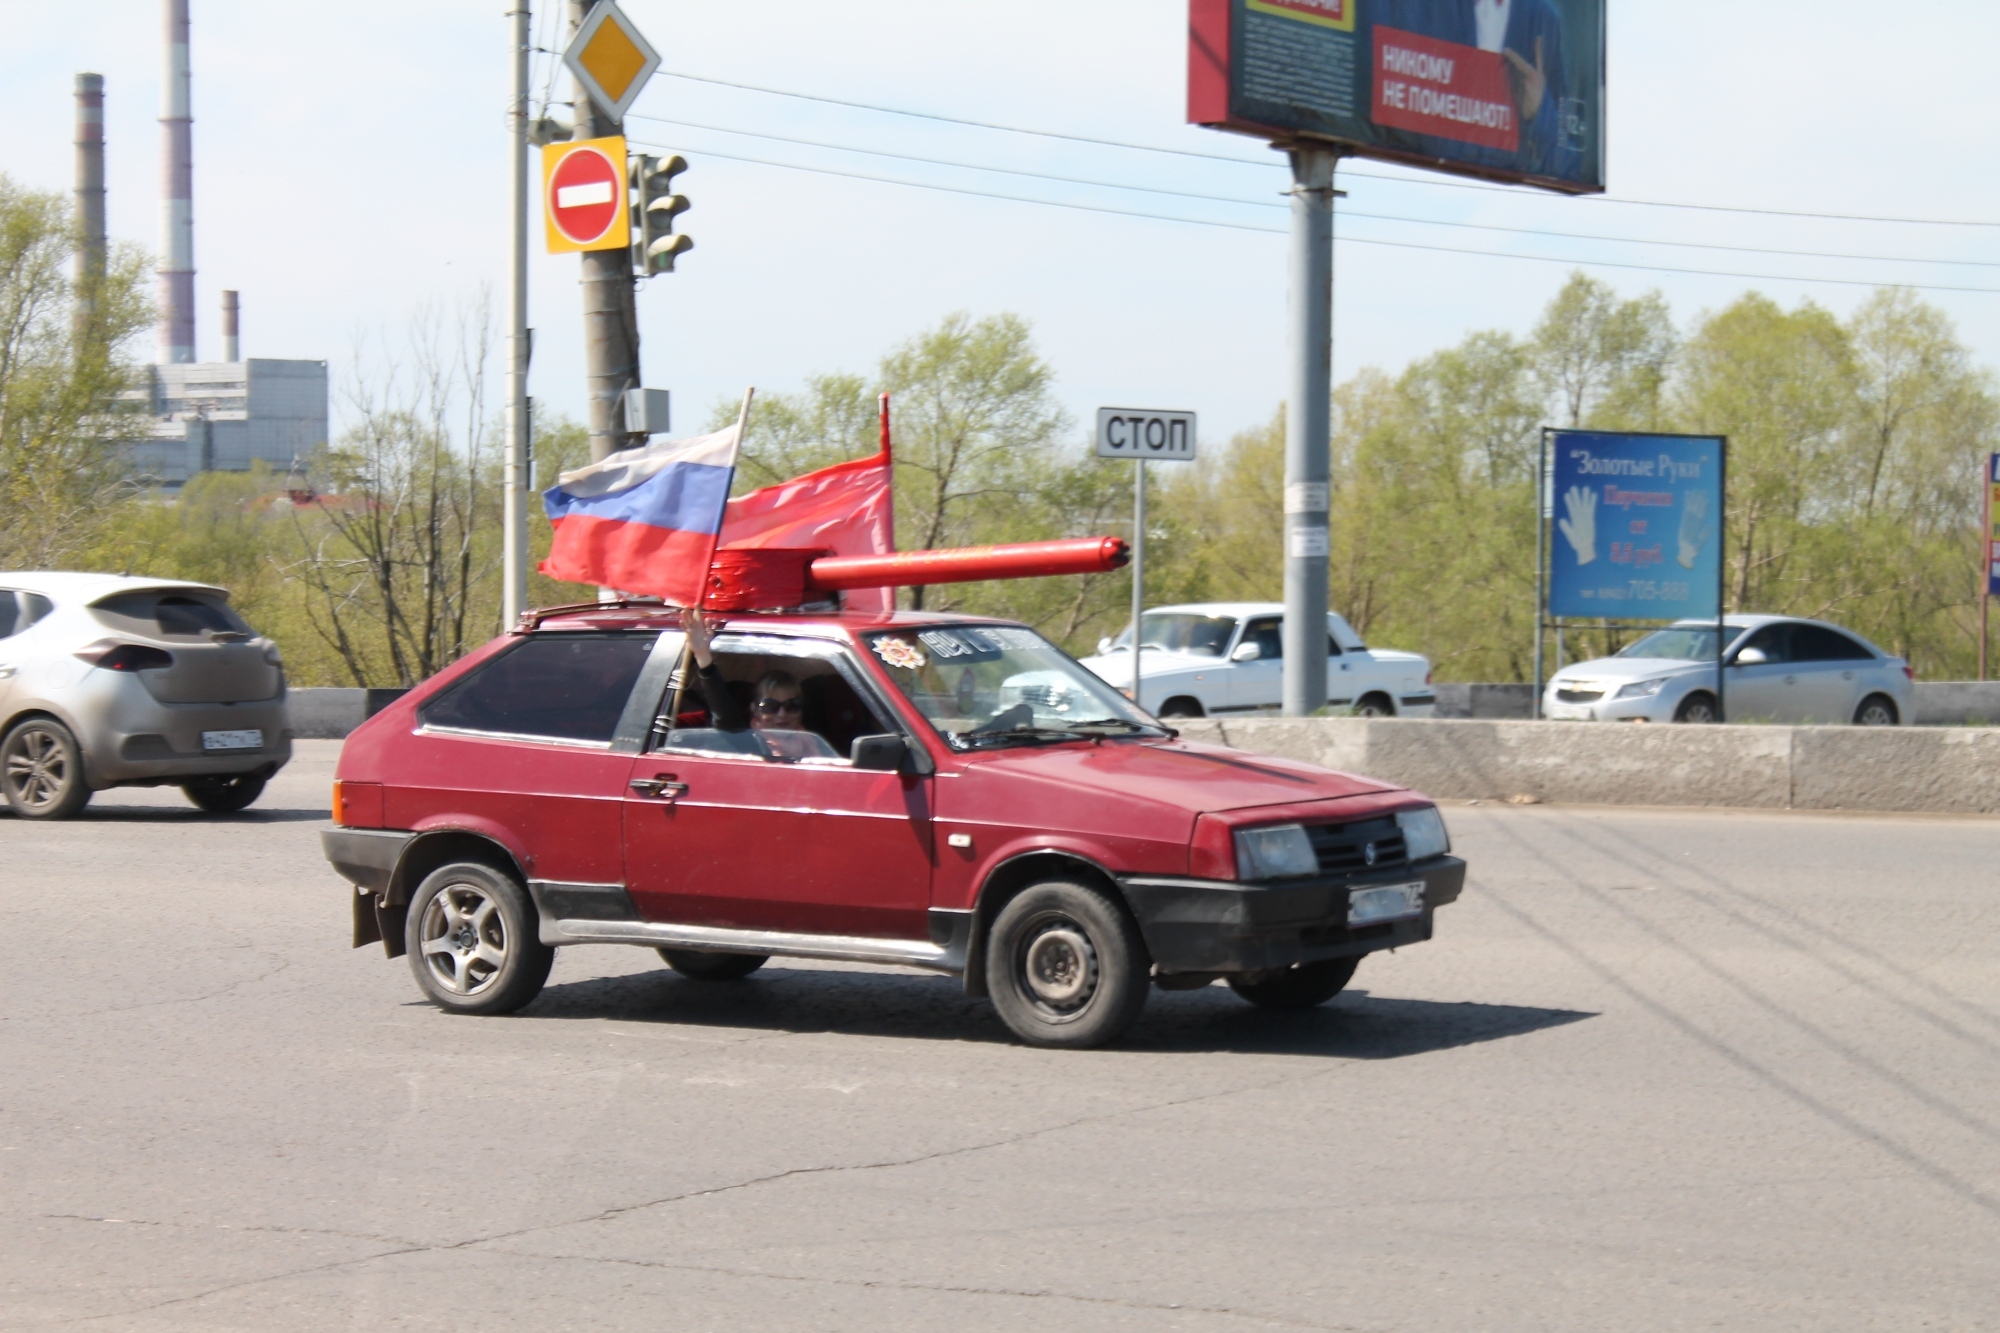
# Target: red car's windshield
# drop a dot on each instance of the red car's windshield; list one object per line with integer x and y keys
{"x": 1000, "y": 685}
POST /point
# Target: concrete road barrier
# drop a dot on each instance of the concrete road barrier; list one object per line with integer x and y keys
{"x": 1760, "y": 767}
{"x": 329, "y": 714}
{"x": 1940, "y": 703}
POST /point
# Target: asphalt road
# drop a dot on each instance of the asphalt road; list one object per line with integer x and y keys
{"x": 1659, "y": 1071}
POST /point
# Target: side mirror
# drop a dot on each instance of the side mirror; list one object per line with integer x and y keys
{"x": 1104, "y": 646}
{"x": 1246, "y": 652}
{"x": 1749, "y": 657}
{"x": 888, "y": 753}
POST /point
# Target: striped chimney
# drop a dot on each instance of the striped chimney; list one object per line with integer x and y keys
{"x": 177, "y": 216}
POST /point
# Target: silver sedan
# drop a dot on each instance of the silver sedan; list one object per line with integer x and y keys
{"x": 108, "y": 681}
{"x": 1775, "y": 669}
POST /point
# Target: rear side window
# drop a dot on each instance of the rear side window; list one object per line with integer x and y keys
{"x": 1817, "y": 643}
{"x": 170, "y": 613}
{"x": 10, "y": 614}
{"x": 561, "y": 687}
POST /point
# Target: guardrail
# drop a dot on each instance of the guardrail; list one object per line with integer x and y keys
{"x": 1935, "y": 770}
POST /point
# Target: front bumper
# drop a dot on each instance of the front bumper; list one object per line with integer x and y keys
{"x": 1207, "y": 925}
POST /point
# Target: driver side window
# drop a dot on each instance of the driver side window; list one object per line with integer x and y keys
{"x": 1774, "y": 641}
{"x": 778, "y": 707}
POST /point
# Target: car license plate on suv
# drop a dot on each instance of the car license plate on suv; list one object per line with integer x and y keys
{"x": 232, "y": 740}
{"x": 1384, "y": 902}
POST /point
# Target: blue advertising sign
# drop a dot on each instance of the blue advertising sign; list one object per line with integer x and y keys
{"x": 1638, "y": 526}
{"x": 1992, "y": 538}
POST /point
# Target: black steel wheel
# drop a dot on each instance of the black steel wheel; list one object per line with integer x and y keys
{"x": 1374, "y": 705}
{"x": 1697, "y": 707}
{"x": 224, "y": 796}
{"x": 1066, "y": 966}
{"x": 1297, "y": 987}
{"x": 41, "y": 770}
{"x": 474, "y": 940}
{"x": 1877, "y": 710}
{"x": 1180, "y": 706}
{"x": 708, "y": 965}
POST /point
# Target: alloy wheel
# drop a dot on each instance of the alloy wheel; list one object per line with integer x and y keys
{"x": 464, "y": 938}
{"x": 38, "y": 771}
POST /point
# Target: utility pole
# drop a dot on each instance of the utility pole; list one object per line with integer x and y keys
{"x": 515, "y": 478}
{"x": 1308, "y": 429}
{"x": 610, "y": 318}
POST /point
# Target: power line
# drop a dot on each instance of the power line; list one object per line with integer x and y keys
{"x": 1353, "y": 240}
{"x": 1253, "y": 162}
{"x": 1345, "y": 212}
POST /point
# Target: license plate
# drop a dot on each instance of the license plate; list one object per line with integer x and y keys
{"x": 1568, "y": 712}
{"x": 1384, "y": 902}
{"x": 232, "y": 740}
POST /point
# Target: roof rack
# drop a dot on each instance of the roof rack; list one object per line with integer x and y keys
{"x": 532, "y": 620}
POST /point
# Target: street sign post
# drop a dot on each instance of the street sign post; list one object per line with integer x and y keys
{"x": 1141, "y": 435}
{"x": 583, "y": 195}
{"x": 611, "y": 59}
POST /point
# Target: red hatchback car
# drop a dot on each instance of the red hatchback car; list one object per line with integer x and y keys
{"x": 921, "y": 789}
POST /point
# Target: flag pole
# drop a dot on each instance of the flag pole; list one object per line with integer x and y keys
{"x": 715, "y": 542}
{"x": 888, "y": 460}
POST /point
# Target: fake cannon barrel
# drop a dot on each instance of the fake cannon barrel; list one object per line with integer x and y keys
{"x": 970, "y": 564}
{"x": 775, "y": 578}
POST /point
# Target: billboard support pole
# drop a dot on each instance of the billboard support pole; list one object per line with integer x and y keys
{"x": 1541, "y": 562}
{"x": 1308, "y": 428}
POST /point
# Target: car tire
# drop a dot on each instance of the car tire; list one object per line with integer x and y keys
{"x": 224, "y": 796}
{"x": 474, "y": 940}
{"x": 1697, "y": 707}
{"x": 1301, "y": 986}
{"x": 1374, "y": 705}
{"x": 1877, "y": 710}
{"x": 1180, "y": 706}
{"x": 707, "y": 965}
{"x": 1066, "y": 967}
{"x": 41, "y": 771}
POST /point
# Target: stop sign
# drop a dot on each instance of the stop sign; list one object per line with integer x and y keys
{"x": 584, "y": 193}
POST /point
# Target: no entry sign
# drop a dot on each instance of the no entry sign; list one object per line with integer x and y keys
{"x": 583, "y": 195}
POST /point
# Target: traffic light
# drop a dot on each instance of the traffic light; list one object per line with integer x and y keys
{"x": 654, "y": 208}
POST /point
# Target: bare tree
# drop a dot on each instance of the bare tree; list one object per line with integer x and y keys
{"x": 396, "y": 539}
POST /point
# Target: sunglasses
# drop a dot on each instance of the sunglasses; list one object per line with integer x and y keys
{"x": 773, "y": 707}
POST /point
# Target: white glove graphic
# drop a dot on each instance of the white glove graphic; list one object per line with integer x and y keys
{"x": 1581, "y": 525}
{"x": 1696, "y": 528}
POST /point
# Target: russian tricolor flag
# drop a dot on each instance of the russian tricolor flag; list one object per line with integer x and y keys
{"x": 644, "y": 520}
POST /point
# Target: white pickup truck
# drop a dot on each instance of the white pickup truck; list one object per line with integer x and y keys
{"x": 1222, "y": 658}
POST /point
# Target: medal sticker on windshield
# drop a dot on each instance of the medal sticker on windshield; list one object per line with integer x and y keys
{"x": 899, "y": 653}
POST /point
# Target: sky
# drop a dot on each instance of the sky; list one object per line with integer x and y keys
{"x": 351, "y": 171}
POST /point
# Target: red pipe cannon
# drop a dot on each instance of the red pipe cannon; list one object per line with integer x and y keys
{"x": 780, "y": 577}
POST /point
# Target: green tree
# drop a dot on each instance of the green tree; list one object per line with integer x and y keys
{"x": 61, "y": 373}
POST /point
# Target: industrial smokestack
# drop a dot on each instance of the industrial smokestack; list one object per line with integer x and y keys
{"x": 177, "y": 217}
{"x": 232, "y": 349}
{"x": 89, "y": 196}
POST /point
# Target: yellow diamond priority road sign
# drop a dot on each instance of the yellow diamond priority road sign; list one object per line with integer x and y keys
{"x": 611, "y": 59}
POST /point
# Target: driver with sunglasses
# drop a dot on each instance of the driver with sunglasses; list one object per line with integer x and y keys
{"x": 777, "y": 706}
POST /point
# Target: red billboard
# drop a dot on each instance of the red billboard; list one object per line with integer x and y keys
{"x": 1508, "y": 90}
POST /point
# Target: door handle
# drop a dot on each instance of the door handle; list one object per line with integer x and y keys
{"x": 1847, "y": 675}
{"x": 663, "y": 787}
{"x": 6, "y": 672}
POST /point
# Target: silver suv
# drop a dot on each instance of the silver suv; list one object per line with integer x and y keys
{"x": 126, "y": 682}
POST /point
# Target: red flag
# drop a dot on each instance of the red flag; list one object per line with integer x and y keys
{"x": 848, "y": 509}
